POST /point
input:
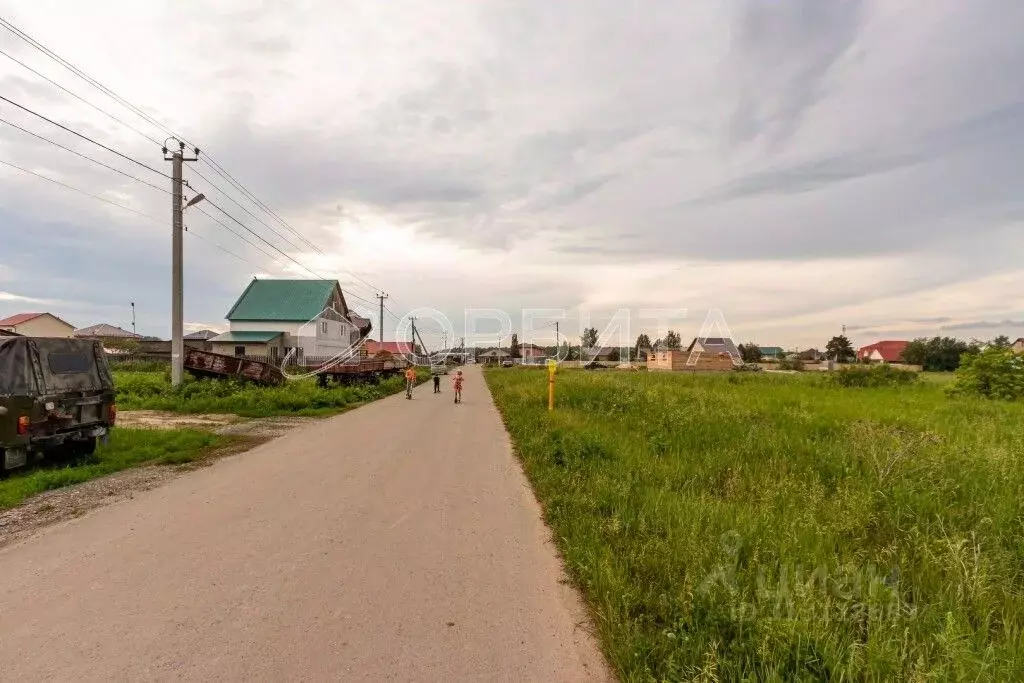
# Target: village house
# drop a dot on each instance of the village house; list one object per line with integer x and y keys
{"x": 890, "y": 351}
{"x": 530, "y": 353}
{"x": 37, "y": 325}
{"x": 1018, "y": 346}
{"x": 275, "y": 317}
{"x": 492, "y": 356}
{"x": 710, "y": 353}
{"x": 771, "y": 353}
{"x": 395, "y": 348}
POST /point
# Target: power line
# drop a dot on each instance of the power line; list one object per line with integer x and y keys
{"x": 217, "y": 168}
{"x": 84, "y": 137}
{"x": 238, "y": 235}
{"x": 155, "y": 220}
{"x": 251, "y": 214}
{"x": 87, "y": 194}
{"x": 80, "y": 98}
{"x": 85, "y": 156}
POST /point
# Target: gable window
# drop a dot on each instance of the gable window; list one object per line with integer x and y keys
{"x": 239, "y": 350}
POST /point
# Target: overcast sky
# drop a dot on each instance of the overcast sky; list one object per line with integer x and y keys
{"x": 799, "y": 165}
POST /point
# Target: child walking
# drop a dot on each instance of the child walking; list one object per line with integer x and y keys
{"x": 437, "y": 383}
{"x": 457, "y": 384}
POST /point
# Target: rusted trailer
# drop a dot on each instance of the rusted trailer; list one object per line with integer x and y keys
{"x": 361, "y": 368}
{"x": 209, "y": 364}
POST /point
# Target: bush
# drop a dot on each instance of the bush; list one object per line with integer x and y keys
{"x": 882, "y": 375}
{"x": 791, "y": 364}
{"x": 992, "y": 373}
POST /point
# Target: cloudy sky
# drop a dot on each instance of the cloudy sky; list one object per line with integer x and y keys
{"x": 799, "y": 165}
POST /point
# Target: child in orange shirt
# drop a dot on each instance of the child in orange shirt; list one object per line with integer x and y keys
{"x": 457, "y": 385}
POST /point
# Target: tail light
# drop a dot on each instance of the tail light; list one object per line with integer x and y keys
{"x": 23, "y": 422}
{"x": 112, "y": 413}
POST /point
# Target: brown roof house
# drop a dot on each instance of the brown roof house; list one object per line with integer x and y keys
{"x": 1018, "y": 346}
{"x": 37, "y": 325}
{"x": 709, "y": 353}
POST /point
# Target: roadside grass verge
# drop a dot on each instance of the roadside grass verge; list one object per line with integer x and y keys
{"x": 153, "y": 391}
{"x": 127, "y": 448}
{"x": 774, "y": 527}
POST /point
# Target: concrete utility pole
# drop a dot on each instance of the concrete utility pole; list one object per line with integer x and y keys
{"x": 177, "y": 157}
{"x": 133, "y": 318}
{"x": 382, "y": 296}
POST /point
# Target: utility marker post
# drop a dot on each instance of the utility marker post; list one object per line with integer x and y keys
{"x": 552, "y": 369}
{"x": 177, "y": 157}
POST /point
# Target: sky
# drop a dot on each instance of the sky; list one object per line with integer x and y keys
{"x": 784, "y": 168}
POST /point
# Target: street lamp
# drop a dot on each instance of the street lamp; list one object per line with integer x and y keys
{"x": 195, "y": 200}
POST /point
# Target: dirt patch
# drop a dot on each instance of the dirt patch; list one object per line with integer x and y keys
{"x": 159, "y": 419}
{"x": 66, "y": 503}
{"x": 220, "y": 423}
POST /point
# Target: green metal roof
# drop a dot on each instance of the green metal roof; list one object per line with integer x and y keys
{"x": 283, "y": 300}
{"x": 246, "y": 337}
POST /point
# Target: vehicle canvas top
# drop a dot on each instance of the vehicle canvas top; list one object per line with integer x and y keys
{"x": 44, "y": 365}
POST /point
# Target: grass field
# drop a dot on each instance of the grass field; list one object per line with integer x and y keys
{"x": 152, "y": 391}
{"x": 127, "y": 448}
{"x": 751, "y": 527}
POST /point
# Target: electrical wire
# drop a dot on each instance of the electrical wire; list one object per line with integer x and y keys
{"x": 87, "y": 194}
{"x": 81, "y": 99}
{"x": 85, "y": 137}
{"x": 85, "y": 156}
{"x": 217, "y": 168}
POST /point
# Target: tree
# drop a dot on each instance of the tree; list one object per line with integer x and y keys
{"x": 613, "y": 355}
{"x": 672, "y": 340}
{"x": 938, "y": 354}
{"x": 1001, "y": 342}
{"x": 642, "y": 342}
{"x": 750, "y": 352}
{"x": 514, "y": 346}
{"x": 590, "y": 337}
{"x": 840, "y": 350}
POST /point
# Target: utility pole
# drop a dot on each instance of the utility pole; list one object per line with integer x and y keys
{"x": 412, "y": 337}
{"x": 177, "y": 158}
{"x": 382, "y": 296}
{"x": 445, "y": 333}
{"x": 133, "y": 317}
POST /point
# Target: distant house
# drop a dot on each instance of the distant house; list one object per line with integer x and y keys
{"x": 493, "y": 356}
{"x": 811, "y": 356}
{"x": 274, "y": 317}
{"x": 772, "y": 352}
{"x": 710, "y": 353}
{"x": 37, "y": 325}
{"x": 201, "y": 335}
{"x": 601, "y": 353}
{"x": 889, "y": 351}
{"x": 531, "y": 353}
{"x": 103, "y": 331}
{"x": 1018, "y": 346}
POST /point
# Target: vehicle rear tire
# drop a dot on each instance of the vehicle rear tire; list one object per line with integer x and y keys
{"x": 87, "y": 447}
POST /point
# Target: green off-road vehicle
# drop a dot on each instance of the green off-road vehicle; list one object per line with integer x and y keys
{"x": 56, "y": 399}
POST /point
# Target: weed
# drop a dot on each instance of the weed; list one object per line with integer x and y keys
{"x": 781, "y": 527}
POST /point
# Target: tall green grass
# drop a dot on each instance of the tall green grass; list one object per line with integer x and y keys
{"x": 153, "y": 391}
{"x": 751, "y": 527}
{"x": 127, "y": 448}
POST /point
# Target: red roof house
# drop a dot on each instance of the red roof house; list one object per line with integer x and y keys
{"x": 395, "y": 347}
{"x": 883, "y": 352}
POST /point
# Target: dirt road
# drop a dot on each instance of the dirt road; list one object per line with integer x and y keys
{"x": 396, "y": 542}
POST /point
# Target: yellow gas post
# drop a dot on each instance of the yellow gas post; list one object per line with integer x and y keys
{"x": 552, "y": 368}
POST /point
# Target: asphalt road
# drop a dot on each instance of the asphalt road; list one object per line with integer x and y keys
{"x": 399, "y": 541}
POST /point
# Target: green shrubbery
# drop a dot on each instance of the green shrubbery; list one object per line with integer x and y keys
{"x": 881, "y": 375}
{"x": 992, "y": 373}
{"x": 152, "y": 391}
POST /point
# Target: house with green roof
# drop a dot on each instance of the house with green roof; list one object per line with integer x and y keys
{"x": 274, "y": 317}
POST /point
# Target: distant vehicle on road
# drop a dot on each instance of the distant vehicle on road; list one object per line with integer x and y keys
{"x": 507, "y": 363}
{"x": 56, "y": 398}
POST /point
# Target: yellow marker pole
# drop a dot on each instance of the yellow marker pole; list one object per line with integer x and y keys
{"x": 552, "y": 367}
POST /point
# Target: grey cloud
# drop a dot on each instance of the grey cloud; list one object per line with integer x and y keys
{"x": 783, "y": 51}
{"x": 984, "y": 325}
